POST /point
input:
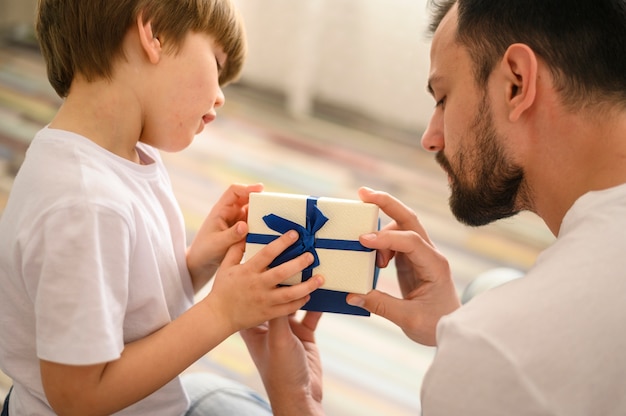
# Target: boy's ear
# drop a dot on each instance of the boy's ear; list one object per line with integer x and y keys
{"x": 150, "y": 43}
{"x": 519, "y": 66}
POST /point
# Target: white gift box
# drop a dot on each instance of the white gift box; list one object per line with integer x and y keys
{"x": 333, "y": 227}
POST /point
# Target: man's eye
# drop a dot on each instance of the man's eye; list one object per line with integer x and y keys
{"x": 441, "y": 103}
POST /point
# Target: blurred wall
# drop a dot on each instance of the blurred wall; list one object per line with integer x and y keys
{"x": 368, "y": 56}
{"x": 13, "y": 12}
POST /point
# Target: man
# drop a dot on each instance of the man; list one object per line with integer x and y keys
{"x": 530, "y": 115}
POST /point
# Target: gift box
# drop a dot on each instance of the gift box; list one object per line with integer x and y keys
{"x": 329, "y": 228}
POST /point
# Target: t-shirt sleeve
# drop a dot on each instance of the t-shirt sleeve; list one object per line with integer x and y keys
{"x": 472, "y": 376}
{"x": 77, "y": 277}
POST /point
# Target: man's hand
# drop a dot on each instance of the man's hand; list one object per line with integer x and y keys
{"x": 285, "y": 353}
{"x": 423, "y": 272}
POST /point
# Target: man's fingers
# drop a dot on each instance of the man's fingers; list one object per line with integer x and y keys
{"x": 381, "y": 304}
{"x": 405, "y": 217}
{"x": 279, "y": 328}
{"x": 305, "y": 329}
{"x": 311, "y": 319}
{"x": 388, "y": 242}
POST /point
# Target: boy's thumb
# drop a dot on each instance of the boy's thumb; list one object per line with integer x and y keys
{"x": 240, "y": 229}
{"x": 234, "y": 234}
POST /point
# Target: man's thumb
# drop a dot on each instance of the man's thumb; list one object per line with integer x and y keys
{"x": 375, "y": 302}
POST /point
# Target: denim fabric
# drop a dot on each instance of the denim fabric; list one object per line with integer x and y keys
{"x": 212, "y": 395}
{"x": 5, "y": 407}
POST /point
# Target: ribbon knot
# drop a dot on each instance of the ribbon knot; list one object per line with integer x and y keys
{"x": 315, "y": 220}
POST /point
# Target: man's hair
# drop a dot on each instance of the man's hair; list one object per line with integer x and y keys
{"x": 581, "y": 41}
{"x": 85, "y": 36}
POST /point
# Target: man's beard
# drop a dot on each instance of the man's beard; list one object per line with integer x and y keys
{"x": 494, "y": 191}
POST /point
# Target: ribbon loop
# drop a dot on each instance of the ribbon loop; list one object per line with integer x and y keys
{"x": 315, "y": 220}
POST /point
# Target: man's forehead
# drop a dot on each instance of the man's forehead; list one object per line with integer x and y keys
{"x": 445, "y": 34}
{"x": 444, "y": 39}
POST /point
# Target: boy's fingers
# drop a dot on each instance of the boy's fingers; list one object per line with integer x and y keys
{"x": 284, "y": 271}
{"x": 268, "y": 253}
{"x": 238, "y": 192}
{"x": 301, "y": 290}
{"x": 229, "y": 236}
{"x": 234, "y": 254}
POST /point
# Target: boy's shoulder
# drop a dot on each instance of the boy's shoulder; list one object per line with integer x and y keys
{"x": 62, "y": 165}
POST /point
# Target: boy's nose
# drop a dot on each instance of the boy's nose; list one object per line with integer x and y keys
{"x": 220, "y": 99}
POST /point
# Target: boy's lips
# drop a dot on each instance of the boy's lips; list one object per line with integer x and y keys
{"x": 207, "y": 118}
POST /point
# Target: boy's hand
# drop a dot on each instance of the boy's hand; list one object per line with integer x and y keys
{"x": 224, "y": 226}
{"x": 247, "y": 294}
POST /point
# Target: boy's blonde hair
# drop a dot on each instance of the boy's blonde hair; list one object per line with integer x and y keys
{"x": 85, "y": 36}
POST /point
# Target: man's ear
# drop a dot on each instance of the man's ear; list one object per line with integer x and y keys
{"x": 150, "y": 43}
{"x": 519, "y": 67}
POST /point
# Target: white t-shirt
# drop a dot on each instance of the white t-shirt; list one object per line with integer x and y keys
{"x": 92, "y": 256}
{"x": 550, "y": 343}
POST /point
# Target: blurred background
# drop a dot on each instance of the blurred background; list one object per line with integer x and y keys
{"x": 332, "y": 98}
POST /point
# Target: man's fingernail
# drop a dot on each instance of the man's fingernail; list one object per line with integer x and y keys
{"x": 292, "y": 234}
{"x": 370, "y": 237}
{"x": 355, "y": 301}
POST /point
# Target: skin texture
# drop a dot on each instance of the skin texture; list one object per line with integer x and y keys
{"x": 128, "y": 110}
{"x": 542, "y": 155}
{"x": 281, "y": 346}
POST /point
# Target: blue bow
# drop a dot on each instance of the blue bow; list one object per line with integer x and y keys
{"x": 315, "y": 220}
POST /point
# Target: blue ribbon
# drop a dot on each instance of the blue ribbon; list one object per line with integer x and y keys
{"x": 315, "y": 220}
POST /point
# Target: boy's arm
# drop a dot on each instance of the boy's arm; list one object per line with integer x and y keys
{"x": 144, "y": 366}
{"x": 243, "y": 295}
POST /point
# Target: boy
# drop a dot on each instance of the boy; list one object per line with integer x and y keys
{"x": 97, "y": 284}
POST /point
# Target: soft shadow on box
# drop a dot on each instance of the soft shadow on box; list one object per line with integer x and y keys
{"x": 330, "y": 229}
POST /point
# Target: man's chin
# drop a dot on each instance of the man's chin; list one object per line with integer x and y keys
{"x": 479, "y": 217}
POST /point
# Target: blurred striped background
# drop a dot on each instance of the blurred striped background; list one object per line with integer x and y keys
{"x": 370, "y": 367}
